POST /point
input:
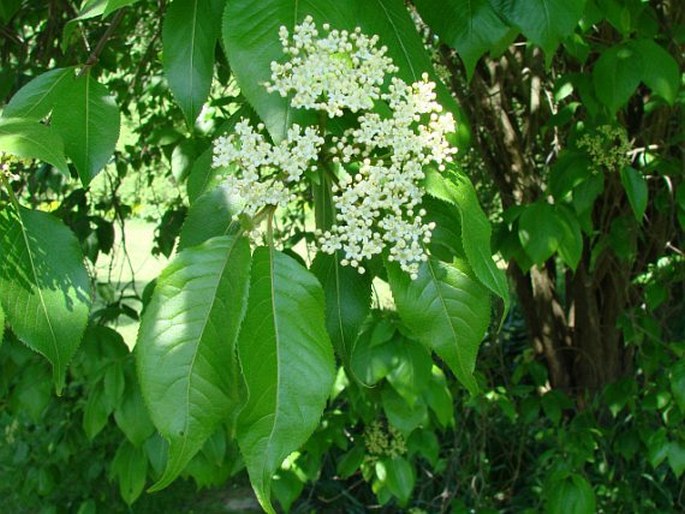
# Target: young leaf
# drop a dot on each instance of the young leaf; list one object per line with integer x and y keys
{"x": 31, "y": 140}
{"x": 88, "y": 120}
{"x": 44, "y": 286}
{"x": 189, "y": 36}
{"x": 544, "y": 22}
{"x": 447, "y": 310}
{"x": 348, "y": 301}
{"x": 475, "y": 230}
{"x": 186, "y": 355}
{"x": 616, "y": 74}
{"x": 636, "y": 188}
{"x": 470, "y": 26}
{"x": 287, "y": 363}
{"x": 37, "y": 98}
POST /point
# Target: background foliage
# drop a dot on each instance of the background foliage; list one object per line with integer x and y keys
{"x": 571, "y": 130}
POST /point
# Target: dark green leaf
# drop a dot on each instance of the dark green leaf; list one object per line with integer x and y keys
{"x": 544, "y": 22}
{"x": 411, "y": 373}
{"x": 287, "y": 363}
{"x": 131, "y": 415}
{"x": 210, "y": 216}
{"x": 186, "y": 346}
{"x": 348, "y": 301}
{"x": 439, "y": 398}
{"x": 660, "y": 70}
{"x": 129, "y": 468}
{"x": 96, "y": 412}
{"x": 636, "y": 189}
{"x": 88, "y": 120}
{"x": 571, "y": 240}
{"x": 8, "y": 8}
{"x": 350, "y": 462}
{"x": 570, "y": 169}
{"x": 189, "y": 35}
{"x": 372, "y": 357}
{"x": 115, "y": 5}
{"x": 447, "y": 310}
{"x": 678, "y": 384}
{"x": 44, "y": 286}
{"x": 37, "y": 98}
{"x": 470, "y": 27}
{"x": 676, "y": 457}
{"x": 540, "y": 231}
{"x": 616, "y": 74}
{"x": 573, "y": 495}
{"x": 400, "y": 414}
{"x": 30, "y": 140}
{"x": 2, "y": 324}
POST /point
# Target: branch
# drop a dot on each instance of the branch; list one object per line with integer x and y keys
{"x": 95, "y": 54}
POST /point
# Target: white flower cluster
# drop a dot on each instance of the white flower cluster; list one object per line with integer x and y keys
{"x": 265, "y": 172}
{"x": 340, "y": 71}
{"x": 377, "y": 207}
{"x": 381, "y": 160}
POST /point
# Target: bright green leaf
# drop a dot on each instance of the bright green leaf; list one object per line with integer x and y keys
{"x": 400, "y": 414}
{"x": 660, "y": 70}
{"x": 189, "y": 36}
{"x": 31, "y": 140}
{"x": 544, "y": 22}
{"x": 411, "y": 374}
{"x": 635, "y": 187}
{"x": 571, "y": 240}
{"x": 129, "y": 468}
{"x": 186, "y": 346}
{"x": 88, "y": 120}
{"x": 372, "y": 357}
{"x": 470, "y": 26}
{"x": 287, "y": 363}
{"x": 115, "y": 5}
{"x": 676, "y": 457}
{"x": 540, "y": 231}
{"x": 458, "y": 190}
{"x": 37, "y": 98}
{"x": 447, "y": 310}
{"x": 616, "y": 74}
{"x": 439, "y": 398}
{"x": 400, "y": 478}
{"x": 44, "y": 286}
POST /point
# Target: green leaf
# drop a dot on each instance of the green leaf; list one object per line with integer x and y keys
{"x": 411, "y": 374}
{"x": 8, "y": 8}
{"x": 678, "y": 384}
{"x": 30, "y": 140}
{"x": 186, "y": 346}
{"x": 544, "y": 22}
{"x": 569, "y": 170}
{"x": 400, "y": 414}
{"x": 2, "y": 324}
{"x": 37, "y": 98}
{"x": 189, "y": 36}
{"x": 131, "y": 416}
{"x": 676, "y": 457}
{"x": 660, "y": 70}
{"x": 129, "y": 468}
{"x": 96, "y": 412}
{"x": 470, "y": 27}
{"x": 287, "y": 363}
{"x": 372, "y": 356}
{"x": 475, "y": 230}
{"x": 210, "y": 216}
{"x": 348, "y": 301}
{"x": 88, "y": 120}
{"x": 636, "y": 189}
{"x": 540, "y": 231}
{"x": 115, "y": 5}
{"x": 400, "y": 478}
{"x": 202, "y": 176}
{"x": 447, "y": 310}
{"x": 571, "y": 242}
{"x": 573, "y": 495}
{"x": 349, "y": 463}
{"x": 439, "y": 398}
{"x": 44, "y": 286}
{"x": 616, "y": 74}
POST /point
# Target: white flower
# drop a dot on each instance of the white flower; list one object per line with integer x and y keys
{"x": 340, "y": 71}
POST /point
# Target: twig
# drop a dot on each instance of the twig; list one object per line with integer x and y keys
{"x": 95, "y": 54}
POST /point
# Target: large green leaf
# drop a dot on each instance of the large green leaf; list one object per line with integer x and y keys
{"x": 88, "y": 120}
{"x": 30, "y": 140}
{"x": 129, "y": 468}
{"x": 470, "y": 26}
{"x": 636, "y": 189}
{"x": 540, "y": 231}
{"x": 287, "y": 363}
{"x": 660, "y": 70}
{"x": 447, "y": 310}
{"x": 210, "y": 216}
{"x": 544, "y": 22}
{"x": 186, "y": 355}
{"x": 44, "y": 286}
{"x": 37, "y": 98}
{"x": 616, "y": 74}
{"x": 348, "y": 301}
{"x": 476, "y": 232}
{"x": 189, "y": 36}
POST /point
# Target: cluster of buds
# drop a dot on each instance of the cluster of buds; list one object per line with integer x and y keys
{"x": 380, "y": 162}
